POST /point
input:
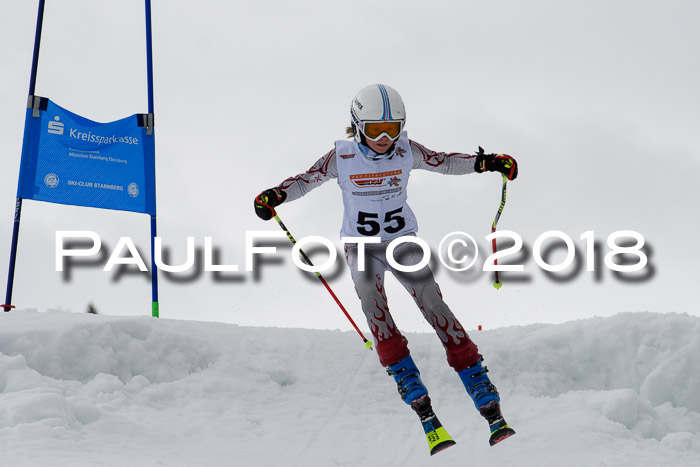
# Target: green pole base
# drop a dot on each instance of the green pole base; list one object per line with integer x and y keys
{"x": 154, "y": 310}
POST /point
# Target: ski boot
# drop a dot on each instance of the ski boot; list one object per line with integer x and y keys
{"x": 486, "y": 400}
{"x": 407, "y": 379}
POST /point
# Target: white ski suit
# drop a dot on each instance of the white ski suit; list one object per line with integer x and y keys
{"x": 375, "y": 204}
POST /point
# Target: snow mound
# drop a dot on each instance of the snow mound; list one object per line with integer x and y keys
{"x": 656, "y": 355}
{"x": 99, "y": 390}
{"x": 120, "y": 348}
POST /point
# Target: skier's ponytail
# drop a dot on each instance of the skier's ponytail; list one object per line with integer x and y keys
{"x": 350, "y": 131}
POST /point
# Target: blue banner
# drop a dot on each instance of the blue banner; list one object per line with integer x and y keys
{"x": 68, "y": 159}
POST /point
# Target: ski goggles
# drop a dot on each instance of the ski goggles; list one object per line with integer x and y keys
{"x": 374, "y": 131}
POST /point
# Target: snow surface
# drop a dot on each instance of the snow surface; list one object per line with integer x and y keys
{"x": 81, "y": 389}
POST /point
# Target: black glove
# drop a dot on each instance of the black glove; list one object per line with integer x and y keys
{"x": 266, "y": 201}
{"x": 502, "y": 163}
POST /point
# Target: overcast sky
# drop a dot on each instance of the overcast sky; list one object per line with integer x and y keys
{"x": 597, "y": 100}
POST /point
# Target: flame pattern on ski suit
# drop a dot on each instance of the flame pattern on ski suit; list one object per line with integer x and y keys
{"x": 369, "y": 284}
{"x": 390, "y": 344}
{"x": 381, "y": 323}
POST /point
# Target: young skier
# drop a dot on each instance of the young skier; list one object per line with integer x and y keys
{"x": 372, "y": 171}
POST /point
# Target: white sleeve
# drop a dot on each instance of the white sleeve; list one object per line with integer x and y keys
{"x": 453, "y": 163}
{"x": 324, "y": 169}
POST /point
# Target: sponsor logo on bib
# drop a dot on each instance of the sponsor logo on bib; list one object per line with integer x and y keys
{"x": 375, "y": 180}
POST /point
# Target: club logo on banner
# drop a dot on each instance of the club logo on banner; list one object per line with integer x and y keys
{"x": 68, "y": 159}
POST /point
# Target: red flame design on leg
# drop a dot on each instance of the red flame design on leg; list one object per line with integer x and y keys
{"x": 461, "y": 350}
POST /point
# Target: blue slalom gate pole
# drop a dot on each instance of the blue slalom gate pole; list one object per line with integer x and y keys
{"x": 149, "y": 56}
{"x": 18, "y": 203}
{"x": 155, "y": 311}
{"x": 13, "y": 257}
{"x": 37, "y": 43}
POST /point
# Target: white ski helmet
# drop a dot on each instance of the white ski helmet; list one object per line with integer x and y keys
{"x": 377, "y": 111}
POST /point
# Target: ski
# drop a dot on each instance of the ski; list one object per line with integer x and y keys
{"x": 499, "y": 432}
{"x": 438, "y": 438}
{"x": 497, "y": 424}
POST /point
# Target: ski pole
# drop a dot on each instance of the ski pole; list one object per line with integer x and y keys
{"x": 368, "y": 343}
{"x": 497, "y": 284}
